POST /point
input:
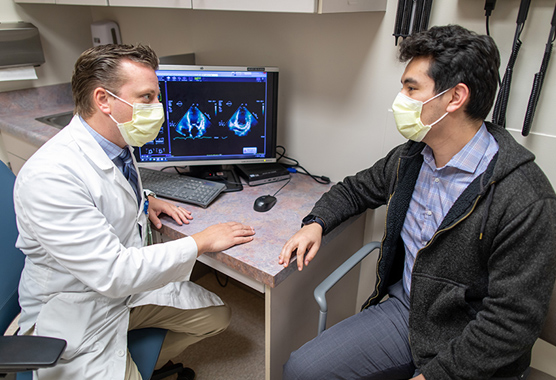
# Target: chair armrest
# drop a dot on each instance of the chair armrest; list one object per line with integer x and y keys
{"x": 334, "y": 277}
{"x": 26, "y": 353}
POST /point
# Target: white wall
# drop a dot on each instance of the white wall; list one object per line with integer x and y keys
{"x": 65, "y": 33}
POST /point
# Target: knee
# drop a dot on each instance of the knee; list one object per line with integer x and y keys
{"x": 220, "y": 319}
{"x": 294, "y": 367}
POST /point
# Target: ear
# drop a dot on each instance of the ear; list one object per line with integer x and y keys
{"x": 102, "y": 100}
{"x": 460, "y": 96}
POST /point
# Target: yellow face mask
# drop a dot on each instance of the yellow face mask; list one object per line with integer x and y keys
{"x": 144, "y": 124}
{"x": 407, "y": 113}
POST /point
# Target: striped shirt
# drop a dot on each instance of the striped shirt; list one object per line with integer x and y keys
{"x": 436, "y": 191}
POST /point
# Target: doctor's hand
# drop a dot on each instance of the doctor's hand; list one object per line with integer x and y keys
{"x": 158, "y": 206}
{"x": 307, "y": 243}
{"x": 222, "y": 236}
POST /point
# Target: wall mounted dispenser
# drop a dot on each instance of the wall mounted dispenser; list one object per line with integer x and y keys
{"x": 20, "y": 45}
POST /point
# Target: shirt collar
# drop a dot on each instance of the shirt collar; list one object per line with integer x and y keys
{"x": 468, "y": 158}
{"x": 112, "y": 150}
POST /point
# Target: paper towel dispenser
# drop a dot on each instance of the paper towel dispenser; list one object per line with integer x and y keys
{"x": 20, "y": 45}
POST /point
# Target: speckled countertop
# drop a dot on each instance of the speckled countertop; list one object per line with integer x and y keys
{"x": 257, "y": 259}
{"x": 18, "y": 110}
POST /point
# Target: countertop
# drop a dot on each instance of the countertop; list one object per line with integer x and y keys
{"x": 259, "y": 258}
{"x": 18, "y": 110}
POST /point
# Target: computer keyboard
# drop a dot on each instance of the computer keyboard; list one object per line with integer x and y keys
{"x": 181, "y": 188}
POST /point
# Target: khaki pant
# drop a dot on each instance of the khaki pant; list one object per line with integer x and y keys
{"x": 185, "y": 327}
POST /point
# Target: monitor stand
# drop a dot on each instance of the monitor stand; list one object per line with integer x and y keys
{"x": 218, "y": 173}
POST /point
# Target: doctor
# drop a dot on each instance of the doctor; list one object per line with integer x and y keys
{"x": 89, "y": 276}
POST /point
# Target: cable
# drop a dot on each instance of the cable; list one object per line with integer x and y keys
{"x": 489, "y": 7}
{"x": 218, "y": 279}
{"x": 297, "y": 167}
{"x": 289, "y": 180}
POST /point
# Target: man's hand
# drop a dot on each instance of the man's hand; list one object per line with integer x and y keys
{"x": 222, "y": 236}
{"x": 307, "y": 243}
{"x": 420, "y": 377}
{"x": 158, "y": 206}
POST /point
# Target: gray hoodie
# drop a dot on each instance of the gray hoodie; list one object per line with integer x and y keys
{"x": 481, "y": 286}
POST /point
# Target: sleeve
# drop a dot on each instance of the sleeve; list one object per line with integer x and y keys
{"x": 355, "y": 194}
{"x": 57, "y": 217}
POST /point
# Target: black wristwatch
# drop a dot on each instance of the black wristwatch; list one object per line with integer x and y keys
{"x": 313, "y": 219}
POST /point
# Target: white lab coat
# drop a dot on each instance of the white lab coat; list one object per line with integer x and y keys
{"x": 86, "y": 265}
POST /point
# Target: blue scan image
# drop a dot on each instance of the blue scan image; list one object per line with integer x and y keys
{"x": 194, "y": 123}
{"x": 242, "y": 121}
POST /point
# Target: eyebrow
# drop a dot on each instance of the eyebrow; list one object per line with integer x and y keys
{"x": 409, "y": 81}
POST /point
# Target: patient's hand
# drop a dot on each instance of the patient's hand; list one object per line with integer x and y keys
{"x": 306, "y": 242}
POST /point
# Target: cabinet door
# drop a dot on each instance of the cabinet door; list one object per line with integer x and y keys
{"x": 36, "y": 1}
{"x": 303, "y": 6}
{"x": 153, "y": 3}
{"x": 337, "y": 6}
{"x": 83, "y": 2}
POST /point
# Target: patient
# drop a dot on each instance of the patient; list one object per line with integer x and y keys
{"x": 83, "y": 220}
{"x": 468, "y": 253}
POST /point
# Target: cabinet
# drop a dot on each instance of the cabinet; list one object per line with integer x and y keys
{"x": 72, "y": 2}
{"x": 338, "y": 6}
{"x": 288, "y": 6}
{"x": 153, "y": 3}
{"x": 36, "y": 1}
{"x": 303, "y": 6}
{"x": 17, "y": 151}
{"x": 83, "y": 2}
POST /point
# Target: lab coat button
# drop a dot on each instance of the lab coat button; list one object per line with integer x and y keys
{"x": 120, "y": 353}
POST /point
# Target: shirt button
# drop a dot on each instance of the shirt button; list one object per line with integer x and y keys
{"x": 436, "y": 180}
{"x": 120, "y": 353}
{"x": 429, "y": 213}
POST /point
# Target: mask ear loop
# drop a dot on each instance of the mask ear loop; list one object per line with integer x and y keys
{"x": 117, "y": 97}
{"x": 434, "y": 97}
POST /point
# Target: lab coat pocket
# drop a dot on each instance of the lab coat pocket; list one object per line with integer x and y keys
{"x": 74, "y": 317}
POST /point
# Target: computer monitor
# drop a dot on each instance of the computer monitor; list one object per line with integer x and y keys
{"x": 215, "y": 115}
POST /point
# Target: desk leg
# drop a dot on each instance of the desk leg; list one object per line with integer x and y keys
{"x": 291, "y": 312}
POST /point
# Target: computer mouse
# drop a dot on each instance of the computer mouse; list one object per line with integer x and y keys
{"x": 264, "y": 203}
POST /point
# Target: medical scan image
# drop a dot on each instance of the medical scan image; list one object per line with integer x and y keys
{"x": 242, "y": 121}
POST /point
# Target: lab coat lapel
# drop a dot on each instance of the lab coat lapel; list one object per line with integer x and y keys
{"x": 97, "y": 156}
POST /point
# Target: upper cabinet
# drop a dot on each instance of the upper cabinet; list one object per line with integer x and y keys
{"x": 83, "y": 2}
{"x": 337, "y": 6}
{"x": 303, "y": 6}
{"x": 293, "y": 6}
{"x": 72, "y": 2}
{"x": 152, "y": 3}
{"x": 36, "y": 1}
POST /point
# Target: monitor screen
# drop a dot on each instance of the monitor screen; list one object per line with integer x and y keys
{"x": 214, "y": 116}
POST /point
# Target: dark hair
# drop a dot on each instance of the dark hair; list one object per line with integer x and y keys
{"x": 458, "y": 56}
{"x": 100, "y": 67}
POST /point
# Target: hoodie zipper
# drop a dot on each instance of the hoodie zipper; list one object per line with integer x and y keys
{"x": 379, "y": 279}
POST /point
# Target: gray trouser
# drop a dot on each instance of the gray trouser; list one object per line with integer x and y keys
{"x": 373, "y": 344}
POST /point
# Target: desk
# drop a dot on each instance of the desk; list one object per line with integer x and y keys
{"x": 291, "y": 312}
